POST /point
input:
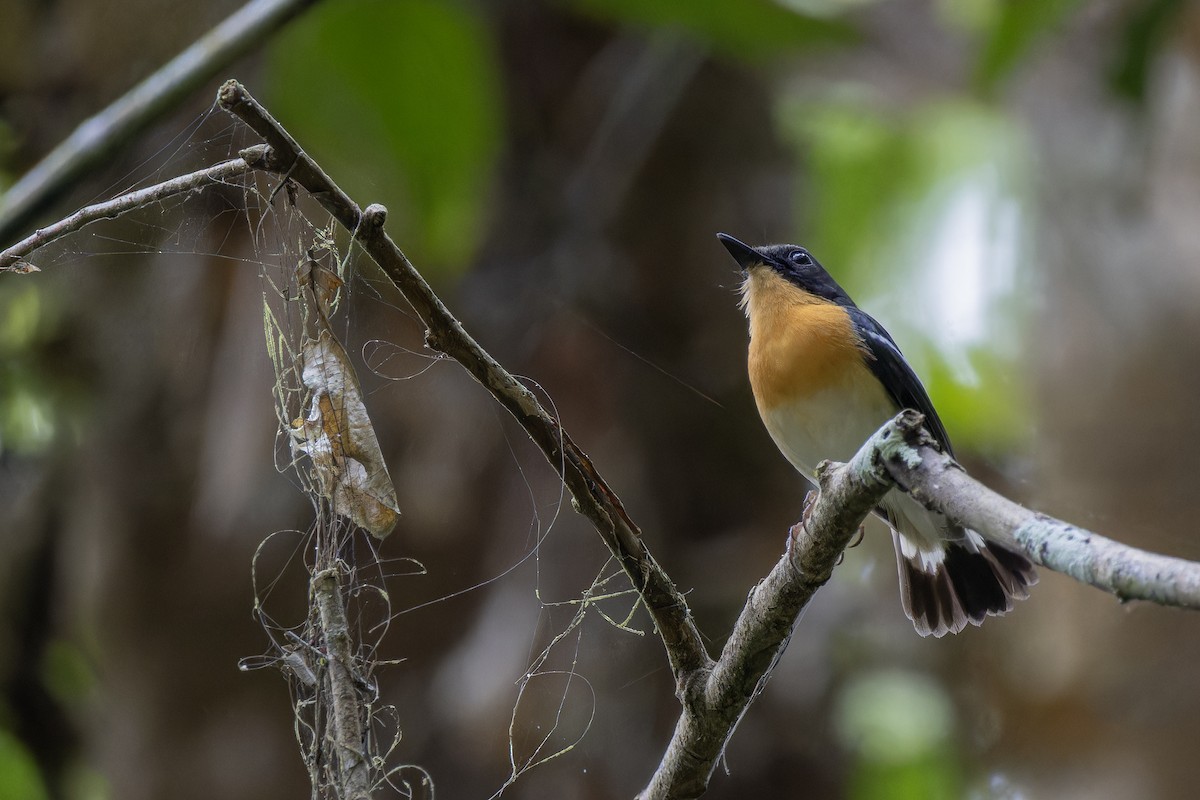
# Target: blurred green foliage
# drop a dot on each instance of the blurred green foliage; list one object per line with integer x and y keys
{"x": 84, "y": 783}
{"x": 1143, "y": 37}
{"x": 27, "y": 415}
{"x": 917, "y": 211}
{"x": 67, "y": 674}
{"x": 860, "y": 168}
{"x": 19, "y": 776}
{"x": 21, "y": 311}
{"x": 400, "y": 100}
{"x": 1013, "y": 31}
{"x": 899, "y": 727}
{"x": 884, "y": 185}
{"x": 8, "y": 145}
{"x": 751, "y": 30}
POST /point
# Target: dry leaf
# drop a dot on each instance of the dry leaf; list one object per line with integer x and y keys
{"x": 337, "y": 436}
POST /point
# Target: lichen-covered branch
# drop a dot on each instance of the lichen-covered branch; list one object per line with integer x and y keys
{"x": 899, "y": 454}
{"x": 1127, "y": 572}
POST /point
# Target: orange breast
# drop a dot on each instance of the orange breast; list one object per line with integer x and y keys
{"x": 800, "y": 344}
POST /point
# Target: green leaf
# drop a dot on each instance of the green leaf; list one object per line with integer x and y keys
{"x": 19, "y": 776}
{"x": 899, "y": 727}
{"x": 1017, "y": 26}
{"x": 751, "y": 30}
{"x": 1143, "y": 38}
{"x": 398, "y": 100}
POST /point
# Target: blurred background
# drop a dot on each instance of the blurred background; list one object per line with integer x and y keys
{"x": 1013, "y": 189}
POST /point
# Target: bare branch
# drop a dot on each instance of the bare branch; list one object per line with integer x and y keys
{"x": 1127, "y": 572}
{"x": 12, "y": 259}
{"x": 94, "y": 138}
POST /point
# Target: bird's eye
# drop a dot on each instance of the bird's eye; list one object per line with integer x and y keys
{"x": 800, "y": 258}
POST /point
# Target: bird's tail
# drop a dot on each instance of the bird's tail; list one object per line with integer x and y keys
{"x": 971, "y": 580}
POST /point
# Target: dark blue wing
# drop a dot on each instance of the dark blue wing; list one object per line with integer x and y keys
{"x": 897, "y": 377}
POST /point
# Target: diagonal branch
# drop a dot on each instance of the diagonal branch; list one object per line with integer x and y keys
{"x": 899, "y": 454}
{"x": 848, "y": 494}
{"x": 591, "y": 494}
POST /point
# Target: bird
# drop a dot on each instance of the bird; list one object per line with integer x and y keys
{"x": 825, "y": 376}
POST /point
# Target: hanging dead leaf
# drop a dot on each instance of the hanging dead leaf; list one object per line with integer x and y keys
{"x": 338, "y": 438}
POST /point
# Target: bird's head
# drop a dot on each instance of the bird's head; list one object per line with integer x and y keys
{"x": 763, "y": 265}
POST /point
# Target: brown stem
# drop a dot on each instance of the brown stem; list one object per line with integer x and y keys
{"x": 354, "y": 775}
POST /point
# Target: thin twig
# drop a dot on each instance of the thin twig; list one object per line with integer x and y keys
{"x": 12, "y": 259}
{"x": 239, "y": 33}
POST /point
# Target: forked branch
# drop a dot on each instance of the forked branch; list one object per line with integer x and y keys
{"x": 13, "y": 259}
{"x": 714, "y": 693}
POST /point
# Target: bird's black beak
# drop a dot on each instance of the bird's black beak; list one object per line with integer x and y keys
{"x": 745, "y": 255}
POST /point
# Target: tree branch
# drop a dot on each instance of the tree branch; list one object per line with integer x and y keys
{"x": 943, "y": 485}
{"x": 899, "y": 454}
{"x": 12, "y": 259}
{"x": 848, "y": 494}
{"x": 243, "y": 30}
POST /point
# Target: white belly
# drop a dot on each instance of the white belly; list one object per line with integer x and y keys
{"x": 830, "y": 424}
{"x": 833, "y": 424}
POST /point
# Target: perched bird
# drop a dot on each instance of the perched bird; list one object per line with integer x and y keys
{"x": 825, "y": 377}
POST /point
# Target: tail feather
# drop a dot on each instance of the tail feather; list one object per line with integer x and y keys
{"x": 974, "y": 579}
